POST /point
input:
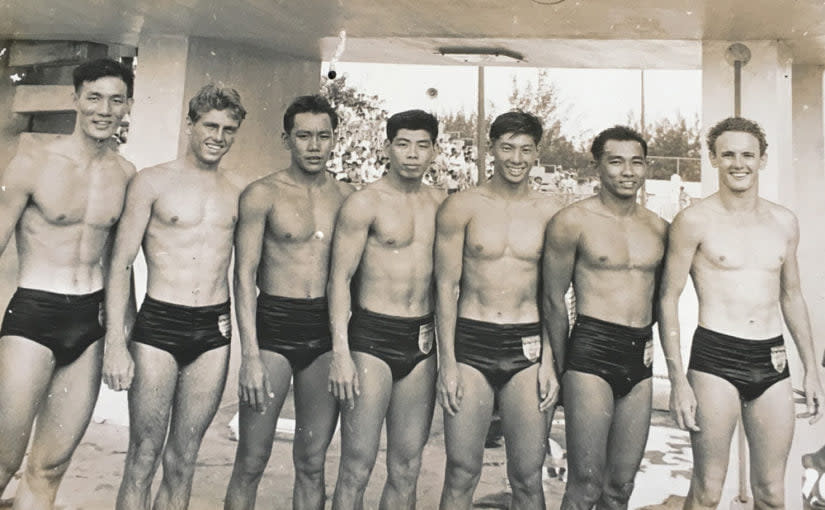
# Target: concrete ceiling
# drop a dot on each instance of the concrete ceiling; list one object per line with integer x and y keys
{"x": 573, "y": 33}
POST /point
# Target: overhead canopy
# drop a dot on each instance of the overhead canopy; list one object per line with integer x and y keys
{"x": 572, "y": 33}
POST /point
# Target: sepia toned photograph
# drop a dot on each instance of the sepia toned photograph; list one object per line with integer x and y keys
{"x": 357, "y": 254}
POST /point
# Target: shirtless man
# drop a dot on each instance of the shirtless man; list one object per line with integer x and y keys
{"x": 63, "y": 201}
{"x": 183, "y": 212}
{"x": 283, "y": 242}
{"x": 740, "y": 251}
{"x": 383, "y": 364}
{"x": 611, "y": 249}
{"x": 490, "y": 341}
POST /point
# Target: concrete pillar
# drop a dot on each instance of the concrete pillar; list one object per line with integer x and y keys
{"x": 170, "y": 70}
{"x": 766, "y": 98}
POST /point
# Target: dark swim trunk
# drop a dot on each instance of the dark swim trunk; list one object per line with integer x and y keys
{"x": 621, "y": 355}
{"x": 296, "y": 328}
{"x": 400, "y": 342}
{"x": 752, "y": 366}
{"x": 65, "y": 323}
{"x": 498, "y": 351}
{"x": 185, "y": 332}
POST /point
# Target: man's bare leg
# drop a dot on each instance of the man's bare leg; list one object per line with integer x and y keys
{"x": 361, "y": 431}
{"x": 21, "y": 394}
{"x": 717, "y": 411}
{"x": 150, "y": 404}
{"x": 197, "y": 396}
{"x": 587, "y": 415}
{"x": 464, "y": 436}
{"x": 255, "y": 434}
{"x": 769, "y": 424}
{"x": 626, "y": 445}
{"x": 316, "y": 415}
{"x": 525, "y": 438}
{"x": 408, "y": 427}
{"x": 61, "y": 423}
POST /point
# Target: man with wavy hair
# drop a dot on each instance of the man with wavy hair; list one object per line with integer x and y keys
{"x": 174, "y": 366}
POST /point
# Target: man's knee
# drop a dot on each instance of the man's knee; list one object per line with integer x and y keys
{"x": 309, "y": 465}
{"x": 708, "y": 491}
{"x": 585, "y": 487}
{"x": 618, "y": 492}
{"x": 769, "y": 495}
{"x": 7, "y": 470}
{"x": 355, "y": 471}
{"x": 179, "y": 463}
{"x": 250, "y": 464}
{"x": 142, "y": 458}
{"x": 462, "y": 476}
{"x": 46, "y": 476}
{"x": 402, "y": 473}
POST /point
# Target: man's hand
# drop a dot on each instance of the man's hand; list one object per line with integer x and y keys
{"x": 683, "y": 405}
{"x": 118, "y": 366}
{"x": 450, "y": 388}
{"x": 548, "y": 386}
{"x": 343, "y": 379}
{"x": 812, "y": 397}
{"x": 254, "y": 389}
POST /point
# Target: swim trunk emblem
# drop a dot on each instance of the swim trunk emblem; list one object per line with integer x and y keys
{"x": 648, "y": 355}
{"x": 225, "y": 325}
{"x": 531, "y": 347}
{"x": 779, "y": 358}
{"x": 101, "y": 314}
{"x": 426, "y": 335}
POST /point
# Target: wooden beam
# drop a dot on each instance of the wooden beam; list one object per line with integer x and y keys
{"x": 53, "y": 53}
{"x": 42, "y": 98}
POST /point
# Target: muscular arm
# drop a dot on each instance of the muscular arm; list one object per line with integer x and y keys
{"x": 560, "y": 242}
{"x": 15, "y": 189}
{"x": 448, "y": 252}
{"x": 249, "y": 234}
{"x": 254, "y": 205}
{"x": 795, "y": 312}
{"x": 350, "y": 238}
{"x": 136, "y": 213}
{"x": 683, "y": 242}
{"x": 451, "y": 222}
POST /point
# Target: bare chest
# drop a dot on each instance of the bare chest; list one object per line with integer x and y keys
{"x": 754, "y": 247}
{"x": 494, "y": 233}
{"x": 621, "y": 246}
{"x": 399, "y": 225}
{"x": 197, "y": 206}
{"x": 68, "y": 195}
{"x": 298, "y": 218}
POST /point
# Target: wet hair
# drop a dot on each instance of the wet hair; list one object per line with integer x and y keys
{"x": 618, "y": 133}
{"x": 412, "y": 120}
{"x": 212, "y": 97}
{"x": 516, "y": 123}
{"x": 309, "y": 104}
{"x": 95, "y": 69}
{"x": 737, "y": 124}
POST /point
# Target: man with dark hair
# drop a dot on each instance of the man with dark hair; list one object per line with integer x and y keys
{"x": 183, "y": 213}
{"x": 383, "y": 364}
{"x": 282, "y": 243}
{"x": 611, "y": 250}
{"x": 490, "y": 342}
{"x": 63, "y": 200}
{"x": 740, "y": 250}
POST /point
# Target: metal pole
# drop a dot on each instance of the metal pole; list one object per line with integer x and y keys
{"x": 644, "y": 134}
{"x": 737, "y": 88}
{"x": 481, "y": 135}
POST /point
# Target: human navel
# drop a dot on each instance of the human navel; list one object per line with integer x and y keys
{"x": 175, "y": 219}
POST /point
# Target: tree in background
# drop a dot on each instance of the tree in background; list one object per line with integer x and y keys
{"x": 677, "y": 138}
{"x": 542, "y": 100}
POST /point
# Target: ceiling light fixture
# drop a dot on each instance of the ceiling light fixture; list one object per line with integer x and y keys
{"x": 474, "y": 55}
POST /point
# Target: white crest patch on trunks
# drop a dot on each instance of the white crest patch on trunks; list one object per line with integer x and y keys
{"x": 779, "y": 358}
{"x": 101, "y": 314}
{"x": 426, "y": 337}
{"x": 648, "y": 354}
{"x": 531, "y": 347}
{"x": 225, "y": 325}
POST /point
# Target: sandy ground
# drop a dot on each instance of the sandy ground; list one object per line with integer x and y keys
{"x": 94, "y": 476}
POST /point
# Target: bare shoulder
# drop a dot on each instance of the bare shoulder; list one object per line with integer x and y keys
{"x": 360, "y": 205}
{"x": 344, "y": 188}
{"x": 438, "y": 195}
{"x": 22, "y": 171}
{"x": 693, "y": 220}
{"x": 655, "y": 221}
{"x": 549, "y": 204}
{"x": 784, "y": 216}
{"x": 458, "y": 208}
{"x": 569, "y": 219}
{"x": 128, "y": 168}
{"x": 259, "y": 192}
